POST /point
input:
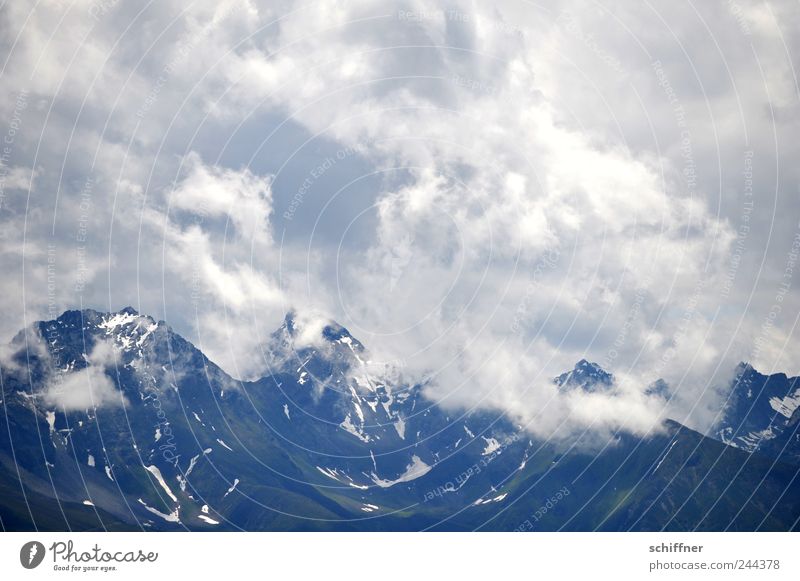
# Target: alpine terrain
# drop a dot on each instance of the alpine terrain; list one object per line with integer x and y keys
{"x": 114, "y": 421}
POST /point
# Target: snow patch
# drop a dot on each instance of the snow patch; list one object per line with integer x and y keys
{"x": 157, "y": 474}
{"x": 365, "y": 383}
{"x": 753, "y": 439}
{"x": 342, "y": 478}
{"x": 786, "y": 406}
{"x": 664, "y": 457}
{"x": 349, "y": 342}
{"x": 492, "y": 445}
{"x": 171, "y": 517}
{"x": 400, "y": 427}
{"x": 348, "y": 426}
{"x": 374, "y": 464}
{"x": 232, "y": 488}
{"x": 118, "y": 320}
{"x": 328, "y": 472}
{"x": 356, "y": 405}
{"x": 415, "y": 470}
{"x": 488, "y": 500}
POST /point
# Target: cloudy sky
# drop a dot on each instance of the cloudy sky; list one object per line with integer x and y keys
{"x": 483, "y": 193}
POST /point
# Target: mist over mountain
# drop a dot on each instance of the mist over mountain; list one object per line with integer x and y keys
{"x": 483, "y": 194}
{"x": 114, "y": 421}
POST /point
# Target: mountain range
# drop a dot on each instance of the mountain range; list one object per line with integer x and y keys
{"x": 113, "y": 421}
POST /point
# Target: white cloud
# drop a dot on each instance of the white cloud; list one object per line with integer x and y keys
{"x": 531, "y": 208}
{"x": 16, "y": 178}
{"x": 89, "y": 387}
{"x": 500, "y": 187}
{"x": 212, "y": 191}
{"x": 220, "y": 272}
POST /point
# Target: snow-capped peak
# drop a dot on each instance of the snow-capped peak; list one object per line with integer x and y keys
{"x": 585, "y": 375}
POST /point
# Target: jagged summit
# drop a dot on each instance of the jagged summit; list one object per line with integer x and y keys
{"x": 319, "y": 345}
{"x": 659, "y": 388}
{"x": 294, "y": 328}
{"x": 761, "y": 412}
{"x": 587, "y": 376}
{"x": 123, "y": 414}
{"x": 124, "y": 339}
{"x": 90, "y": 314}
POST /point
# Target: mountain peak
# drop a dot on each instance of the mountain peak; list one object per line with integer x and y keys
{"x": 587, "y": 365}
{"x": 294, "y": 328}
{"x": 316, "y": 344}
{"x": 659, "y": 388}
{"x": 587, "y": 376}
{"x": 759, "y": 411}
{"x": 288, "y": 322}
{"x": 335, "y": 333}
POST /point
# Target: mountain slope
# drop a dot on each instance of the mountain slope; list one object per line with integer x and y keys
{"x": 112, "y": 420}
{"x": 762, "y": 414}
